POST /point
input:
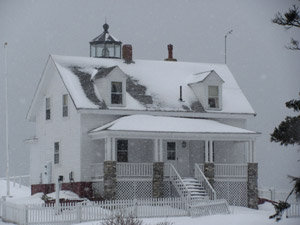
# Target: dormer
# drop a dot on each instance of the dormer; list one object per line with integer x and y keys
{"x": 207, "y": 86}
{"x": 110, "y": 85}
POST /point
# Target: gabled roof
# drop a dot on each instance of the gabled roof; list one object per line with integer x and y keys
{"x": 154, "y": 85}
{"x": 200, "y": 77}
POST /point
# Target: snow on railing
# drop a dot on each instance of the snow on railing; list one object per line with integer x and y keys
{"x": 176, "y": 180}
{"x": 69, "y": 213}
{"x": 205, "y": 183}
{"x": 134, "y": 169}
{"x": 293, "y": 210}
{"x": 229, "y": 170}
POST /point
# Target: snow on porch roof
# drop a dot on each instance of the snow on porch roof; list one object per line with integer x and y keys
{"x": 146, "y": 123}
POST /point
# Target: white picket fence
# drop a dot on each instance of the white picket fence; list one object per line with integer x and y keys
{"x": 70, "y": 213}
{"x": 293, "y": 211}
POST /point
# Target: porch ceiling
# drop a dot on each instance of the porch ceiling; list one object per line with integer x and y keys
{"x": 146, "y": 126}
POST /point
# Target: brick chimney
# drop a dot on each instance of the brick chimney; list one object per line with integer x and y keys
{"x": 127, "y": 53}
{"x": 170, "y": 54}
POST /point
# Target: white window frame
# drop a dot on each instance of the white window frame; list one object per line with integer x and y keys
{"x": 65, "y": 105}
{"x": 116, "y": 93}
{"x": 216, "y": 98}
{"x": 173, "y": 151}
{"x": 48, "y": 108}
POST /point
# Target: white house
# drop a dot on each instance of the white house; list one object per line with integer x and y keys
{"x": 126, "y": 128}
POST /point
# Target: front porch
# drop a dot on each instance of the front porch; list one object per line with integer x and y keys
{"x": 155, "y": 163}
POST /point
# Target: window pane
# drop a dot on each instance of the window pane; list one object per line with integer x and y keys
{"x": 213, "y": 91}
{"x": 171, "y": 150}
{"x": 65, "y": 105}
{"x": 116, "y": 99}
{"x": 116, "y": 87}
{"x": 122, "y": 151}
{"x": 56, "y": 152}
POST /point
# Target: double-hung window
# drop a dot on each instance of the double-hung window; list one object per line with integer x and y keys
{"x": 213, "y": 96}
{"x": 48, "y": 109}
{"x": 122, "y": 151}
{"x": 171, "y": 150}
{"x": 65, "y": 109}
{"x": 116, "y": 93}
{"x": 56, "y": 152}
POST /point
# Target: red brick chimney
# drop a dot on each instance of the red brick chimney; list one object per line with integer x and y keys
{"x": 127, "y": 53}
{"x": 170, "y": 53}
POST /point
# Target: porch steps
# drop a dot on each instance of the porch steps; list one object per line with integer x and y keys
{"x": 195, "y": 188}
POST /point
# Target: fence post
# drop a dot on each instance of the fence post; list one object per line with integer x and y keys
{"x": 135, "y": 205}
{"x": 26, "y": 215}
{"x": 79, "y": 213}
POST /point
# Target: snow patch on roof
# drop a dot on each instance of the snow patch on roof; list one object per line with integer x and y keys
{"x": 169, "y": 124}
{"x": 162, "y": 80}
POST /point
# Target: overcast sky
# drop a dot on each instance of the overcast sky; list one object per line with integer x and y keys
{"x": 267, "y": 72}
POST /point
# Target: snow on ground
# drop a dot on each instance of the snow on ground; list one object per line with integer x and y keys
{"x": 239, "y": 215}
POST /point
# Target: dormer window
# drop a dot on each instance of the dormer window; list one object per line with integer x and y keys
{"x": 213, "y": 96}
{"x": 116, "y": 93}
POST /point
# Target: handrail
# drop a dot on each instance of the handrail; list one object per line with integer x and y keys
{"x": 177, "y": 182}
{"x": 203, "y": 180}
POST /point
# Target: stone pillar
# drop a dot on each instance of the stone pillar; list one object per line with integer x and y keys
{"x": 110, "y": 179}
{"x": 158, "y": 179}
{"x": 209, "y": 172}
{"x": 252, "y": 186}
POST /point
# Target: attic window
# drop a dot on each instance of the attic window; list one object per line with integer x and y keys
{"x": 116, "y": 93}
{"x": 48, "y": 109}
{"x": 65, "y": 110}
{"x": 213, "y": 96}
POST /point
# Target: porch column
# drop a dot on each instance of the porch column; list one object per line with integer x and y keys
{"x": 110, "y": 169}
{"x": 252, "y": 178}
{"x": 158, "y": 169}
{"x": 209, "y": 166}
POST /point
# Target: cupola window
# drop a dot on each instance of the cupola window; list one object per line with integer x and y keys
{"x": 105, "y": 45}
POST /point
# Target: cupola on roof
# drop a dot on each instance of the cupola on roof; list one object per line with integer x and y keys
{"x": 105, "y": 45}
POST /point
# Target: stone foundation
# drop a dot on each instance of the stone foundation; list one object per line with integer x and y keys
{"x": 110, "y": 180}
{"x": 252, "y": 186}
{"x": 209, "y": 172}
{"x": 158, "y": 179}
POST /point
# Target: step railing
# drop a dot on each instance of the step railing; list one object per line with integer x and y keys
{"x": 134, "y": 169}
{"x": 176, "y": 180}
{"x": 205, "y": 183}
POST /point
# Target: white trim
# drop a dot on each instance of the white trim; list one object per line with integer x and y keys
{"x": 160, "y": 150}
{"x": 211, "y": 151}
{"x": 206, "y": 150}
{"x": 175, "y": 135}
{"x": 121, "y": 112}
{"x": 156, "y": 153}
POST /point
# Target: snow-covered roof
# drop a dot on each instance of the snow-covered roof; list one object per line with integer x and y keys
{"x": 148, "y": 123}
{"x": 199, "y": 77}
{"x": 158, "y": 80}
{"x": 105, "y": 36}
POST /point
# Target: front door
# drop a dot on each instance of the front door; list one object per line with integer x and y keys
{"x": 177, "y": 153}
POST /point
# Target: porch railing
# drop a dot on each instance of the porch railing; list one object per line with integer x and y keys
{"x": 176, "y": 180}
{"x": 229, "y": 170}
{"x": 134, "y": 169}
{"x": 205, "y": 183}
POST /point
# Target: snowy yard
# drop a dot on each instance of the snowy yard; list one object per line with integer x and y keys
{"x": 239, "y": 215}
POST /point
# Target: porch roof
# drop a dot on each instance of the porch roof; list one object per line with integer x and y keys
{"x": 137, "y": 124}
